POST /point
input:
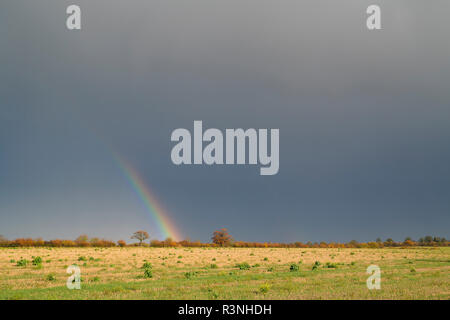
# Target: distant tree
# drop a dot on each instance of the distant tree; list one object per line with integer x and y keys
{"x": 222, "y": 237}
{"x": 353, "y": 244}
{"x": 121, "y": 243}
{"x": 378, "y": 240}
{"x": 428, "y": 239}
{"x": 82, "y": 240}
{"x": 408, "y": 239}
{"x": 140, "y": 235}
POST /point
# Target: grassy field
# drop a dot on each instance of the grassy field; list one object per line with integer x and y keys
{"x": 213, "y": 273}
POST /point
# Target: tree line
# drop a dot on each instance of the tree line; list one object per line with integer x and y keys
{"x": 220, "y": 238}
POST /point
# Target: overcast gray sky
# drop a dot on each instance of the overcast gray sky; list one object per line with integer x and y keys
{"x": 364, "y": 117}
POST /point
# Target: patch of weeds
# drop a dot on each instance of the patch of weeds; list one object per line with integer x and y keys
{"x": 22, "y": 263}
{"x": 213, "y": 266}
{"x": 148, "y": 273}
{"x": 243, "y": 266}
{"x": 264, "y": 288}
{"x": 316, "y": 265}
{"x": 190, "y": 274}
{"x": 36, "y": 261}
{"x": 82, "y": 258}
{"x": 294, "y": 267}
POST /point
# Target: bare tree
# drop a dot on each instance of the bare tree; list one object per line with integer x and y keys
{"x": 140, "y": 235}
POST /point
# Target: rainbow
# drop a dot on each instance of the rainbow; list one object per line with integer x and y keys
{"x": 148, "y": 198}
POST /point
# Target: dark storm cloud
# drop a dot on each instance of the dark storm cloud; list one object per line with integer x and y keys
{"x": 363, "y": 116}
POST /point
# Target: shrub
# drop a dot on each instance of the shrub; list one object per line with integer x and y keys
{"x": 316, "y": 265}
{"x": 243, "y": 266}
{"x": 36, "y": 261}
{"x": 213, "y": 266}
{"x": 147, "y": 265}
{"x": 270, "y": 269}
{"x": 331, "y": 265}
{"x": 22, "y": 263}
{"x": 189, "y": 275}
{"x": 266, "y": 259}
{"x": 148, "y": 273}
{"x": 82, "y": 258}
{"x": 294, "y": 267}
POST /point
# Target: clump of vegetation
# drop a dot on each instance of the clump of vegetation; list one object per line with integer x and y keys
{"x": 331, "y": 265}
{"x": 213, "y": 266}
{"x": 316, "y": 265}
{"x": 412, "y": 270}
{"x": 22, "y": 263}
{"x": 148, "y": 273}
{"x": 266, "y": 259}
{"x": 51, "y": 277}
{"x": 82, "y": 258}
{"x": 12, "y": 261}
{"x": 190, "y": 274}
{"x": 243, "y": 266}
{"x": 264, "y": 288}
{"x": 294, "y": 267}
{"x": 270, "y": 269}
{"x": 147, "y": 267}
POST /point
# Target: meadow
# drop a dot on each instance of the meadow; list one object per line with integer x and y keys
{"x": 225, "y": 273}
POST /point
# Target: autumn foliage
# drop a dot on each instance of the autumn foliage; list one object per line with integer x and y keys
{"x": 220, "y": 238}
